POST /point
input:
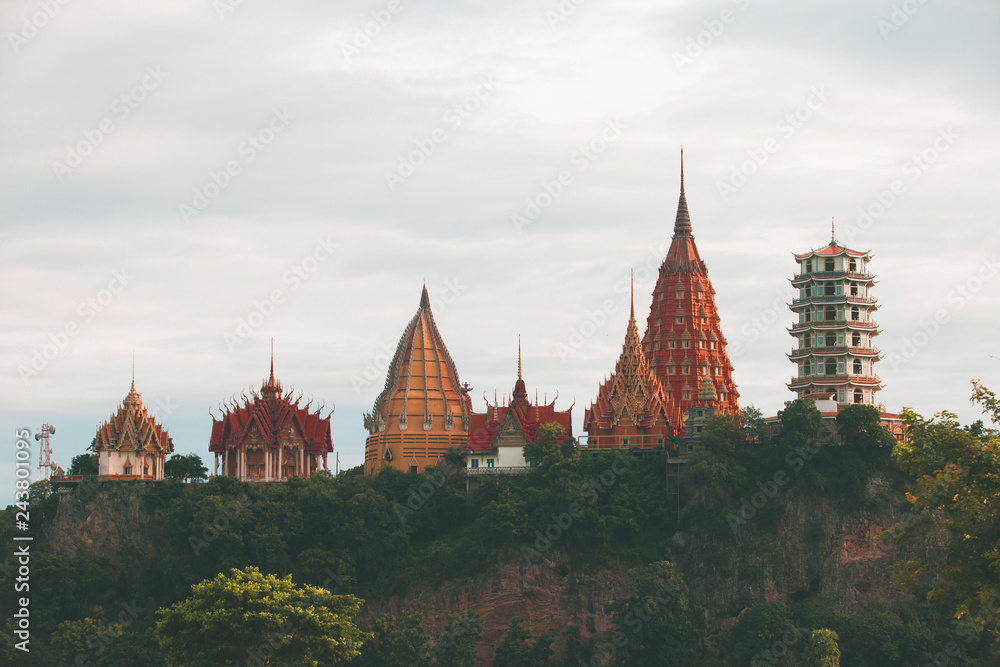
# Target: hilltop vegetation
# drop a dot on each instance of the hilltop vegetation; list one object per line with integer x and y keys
{"x": 751, "y": 570}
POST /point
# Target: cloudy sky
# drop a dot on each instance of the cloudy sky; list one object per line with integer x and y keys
{"x": 188, "y": 179}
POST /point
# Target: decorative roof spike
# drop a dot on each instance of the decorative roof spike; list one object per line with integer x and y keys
{"x": 518, "y": 356}
{"x": 682, "y": 223}
{"x": 425, "y": 300}
{"x": 133, "y": 370}
{"x": 833, "y": 233}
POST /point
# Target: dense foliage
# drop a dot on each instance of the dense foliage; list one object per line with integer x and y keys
{"x": 373, "y": 536}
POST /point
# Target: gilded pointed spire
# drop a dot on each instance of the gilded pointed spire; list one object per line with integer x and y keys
{"x": 682, "y": 224}
{"x": 133, "y": 370}
{"x": 518, "y": 356}
{"x": 271, "y": 381}
{"x": 425, "y": 300}
{"x": 833, "y": 233}
{"x": 632, "y": 295}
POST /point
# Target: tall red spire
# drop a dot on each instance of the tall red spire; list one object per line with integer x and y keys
{"x": 683, "y": 339}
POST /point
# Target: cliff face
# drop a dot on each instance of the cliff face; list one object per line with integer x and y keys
{"x": 815, "y": 548}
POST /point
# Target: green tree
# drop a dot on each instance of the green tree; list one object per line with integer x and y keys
{"x": 862, "y": 429}
{"x": 186, "y": 467}
{"x": 395, "y": 645}
{"x": 714, "y": 479}
{"x": 724, "y": 434}
{"x": 548, "y": 451}
{"x": 800, "y": 423}
{"x": 656, "y": 622}
{"x": 518, "y": 650}
{"x": 955, "y": 505}
{"x": 757, "y": 631}
{"x": 248, "y": 615}
{"x": 455, "y": 645}
{"x": 84, "y": 464}
{"x": 821, "y": 649}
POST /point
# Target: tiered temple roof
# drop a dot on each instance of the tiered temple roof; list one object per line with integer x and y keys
{"x": 132, "y": 428}
{"x": 487, "y": 430}
{"x": 683, "y": 339}
{"x": 271, "y": 417}
{"x": 631, "y": 407}
{"x": 424, "y": 409}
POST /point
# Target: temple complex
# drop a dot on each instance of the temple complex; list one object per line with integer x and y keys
{"x": 131, "y": 445}
{"x": 498, "y": 436}
{"x": 424, "y": 409}
{"x": 269, "y": 437}
{"x": 631, "y": 409}
{"x": 683, "y": 340}
{"x": 835, "y": 353}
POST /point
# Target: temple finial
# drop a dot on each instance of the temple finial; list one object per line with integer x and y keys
{"x": 518, "y": 356}
{"x": 272, "y": 359}
{"x": 682, "y": 224}
{"x": 133, "y": 370}
{"x": 632, "y": 286}
{"x": 833, "y": 233}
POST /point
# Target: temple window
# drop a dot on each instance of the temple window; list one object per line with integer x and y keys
{"x": 413, "y": 468}
{"x": 858, "y": 396}
{"x": 830, "y": 314}
{"x": 489, "y": 463}
{"x": 701, "y": 344}
{"x": 671, "y": 344}
{"x": 809, "y": 266}
{"x": 680, "y": 319}
{"x": 687, "y": 395}
{"x": 855, "y": 313}
{"x": 828, "y": 288}
{"x": 828, "y": 265}
{"x": 657, "y": 345}
{"x": 670, "y": 369}
{"x": 854, "y": 289}
{"x": 474, "y": 463}
{"x": 687, "y": 343}
{"x": 831, "y": 367}
{"x": 856, "y": 339}
{"x": 685, "y": 370}
{"x": 854, "y": 265}
{"x": 857, "y": 367}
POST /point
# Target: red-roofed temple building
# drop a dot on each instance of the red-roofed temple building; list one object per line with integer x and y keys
{"x": 270, "y": 438}
{"x": 631, "y": 409}
{"x": 424, "y": 409}
{"x": 498, "y": 436}
{"x": 683, "y": 340}
{"x": 131, "y": 445}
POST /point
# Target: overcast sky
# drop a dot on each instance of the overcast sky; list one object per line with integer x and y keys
{"x": 187, "y": 179}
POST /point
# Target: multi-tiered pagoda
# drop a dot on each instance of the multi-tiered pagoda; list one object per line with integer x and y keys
{"x": 631, "y": 409}
{"x": 270, "y": 437}
{"x": 683, "y": 339}
{"x": 131, "y": 444}
{"x": 835, "y": 351}
{"x": 424, "y": 409}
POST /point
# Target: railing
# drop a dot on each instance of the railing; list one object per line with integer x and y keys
{"x": 826, "y": 275}
{"x": 839, "y": 377}
{"x": 833, "y": 298}
{"x": 858, "y": 324}
{"x": 834, "y": 350}
{"x": 497, "y": 470}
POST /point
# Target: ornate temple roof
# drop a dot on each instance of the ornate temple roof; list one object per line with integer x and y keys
{"x": 273, "y": 412}
{"x": 683, "y": 341}
{"x": 132, "y": 428}
{"x": 632, "y": 396}
{"x": 683, "y": 257}
{"x": 485, "y": 429}
{"x": 422, "y": 389}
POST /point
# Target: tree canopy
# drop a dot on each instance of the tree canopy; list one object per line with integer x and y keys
{"x": 248, "y": 615}
{"x": 185, "y": 467}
